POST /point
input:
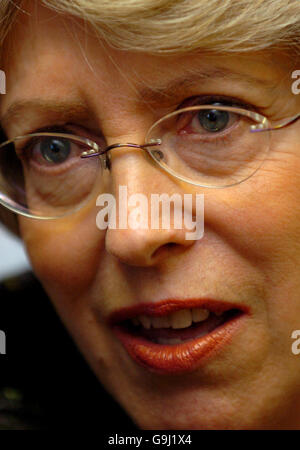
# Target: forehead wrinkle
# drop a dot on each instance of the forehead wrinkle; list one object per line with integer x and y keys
{"x": 159, "y": 94}
{"x": 194, "y": 77}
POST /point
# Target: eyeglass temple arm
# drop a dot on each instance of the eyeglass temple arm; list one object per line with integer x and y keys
{"x": 285, "y": 123}
{"x": 96, "y": 152}
{"x": 254, "y": 129}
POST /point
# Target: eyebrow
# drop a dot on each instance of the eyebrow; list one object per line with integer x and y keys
{"x": 76, "y": 110}
{"x": 195, "y": 76}
{"x": 69, "y": 111}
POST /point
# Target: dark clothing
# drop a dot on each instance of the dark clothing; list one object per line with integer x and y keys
{"x": 44, "y": 381}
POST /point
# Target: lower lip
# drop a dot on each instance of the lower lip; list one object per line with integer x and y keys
{"x": 178, "y": 358}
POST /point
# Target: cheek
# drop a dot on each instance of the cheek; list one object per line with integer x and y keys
{"x": 267, "y": 231}
{"x": 269, "y": 207}
{"x": 64, "y": 253}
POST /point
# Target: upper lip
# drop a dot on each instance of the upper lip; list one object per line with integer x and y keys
{"x": 168, "y": 306}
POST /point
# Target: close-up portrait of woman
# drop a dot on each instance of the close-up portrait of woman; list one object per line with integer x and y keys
{"x": 119, "y": 115}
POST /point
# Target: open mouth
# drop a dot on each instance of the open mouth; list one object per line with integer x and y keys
{"x": 176, "y": 328}
{"x": 167, "y": 338}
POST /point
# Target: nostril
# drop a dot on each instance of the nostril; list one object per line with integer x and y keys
{"x": 170, "y": 246}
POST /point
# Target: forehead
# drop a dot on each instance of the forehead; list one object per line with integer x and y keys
{"x": 46, "y": 53}
{"x": 42, "y": 35}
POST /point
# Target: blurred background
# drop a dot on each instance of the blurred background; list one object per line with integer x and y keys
{"x": 44, "y": 381}
{"x": 13, "y": 259}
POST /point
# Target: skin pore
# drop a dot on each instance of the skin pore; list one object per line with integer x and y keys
{"x": 250, "y": 251}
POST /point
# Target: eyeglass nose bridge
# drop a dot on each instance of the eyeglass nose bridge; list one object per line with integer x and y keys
{"x": 96, "y": 152}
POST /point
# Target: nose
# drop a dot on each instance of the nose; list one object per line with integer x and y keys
{"x": 134, "y": 178}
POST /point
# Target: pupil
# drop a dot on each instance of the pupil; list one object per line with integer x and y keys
{"x": 55, "y": 151}
{"x": 213, "y": 119}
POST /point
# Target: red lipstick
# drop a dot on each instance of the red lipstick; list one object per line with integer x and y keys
{"x": 192, "y": 346}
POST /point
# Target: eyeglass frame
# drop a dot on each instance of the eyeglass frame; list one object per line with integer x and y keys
{"x": 262, "y": 126}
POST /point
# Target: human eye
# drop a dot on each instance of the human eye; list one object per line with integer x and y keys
{"x": 209, "y": 139}
{"x": 50, "y": 151}
{"x": 217, "y": 120}
{"x": 44, "y": 171}
{"x": 206, "y": 122}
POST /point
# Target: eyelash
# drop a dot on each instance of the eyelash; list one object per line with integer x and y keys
{"x": 212, "y": 99}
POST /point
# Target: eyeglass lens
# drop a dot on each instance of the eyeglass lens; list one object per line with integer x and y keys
{"x": 211, "y": 146}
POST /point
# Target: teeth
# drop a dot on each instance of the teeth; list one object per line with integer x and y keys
{"x": 181, "y": 319}
{"x": 145, "y": 321}
{"x": 200, "y": 314}
{"x": 161, "y": 322}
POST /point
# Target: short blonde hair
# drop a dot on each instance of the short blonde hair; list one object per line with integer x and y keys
{"x": 172, "y": 27}
{"x": 176, "y": 27}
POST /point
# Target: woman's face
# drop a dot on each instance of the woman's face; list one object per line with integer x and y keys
{"x": 246, "y": 375}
